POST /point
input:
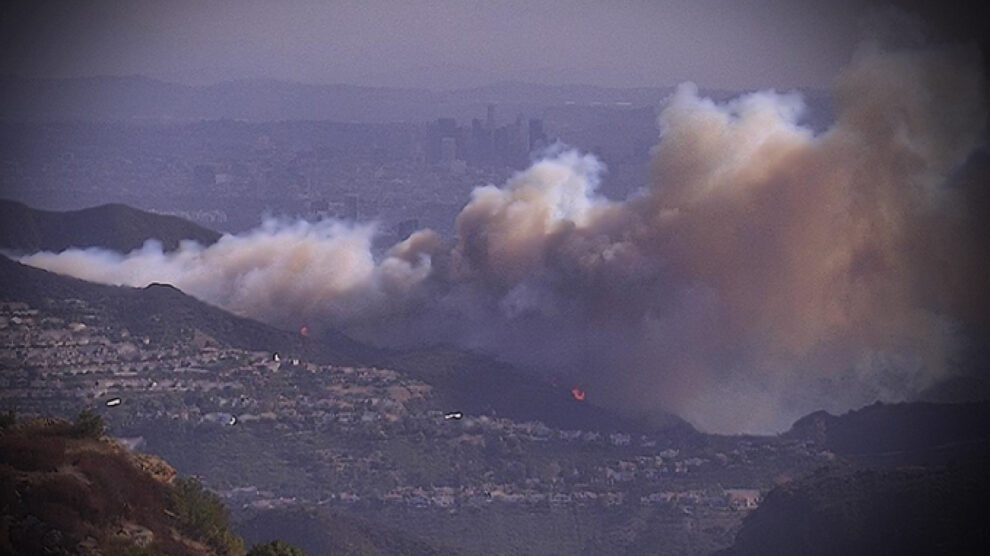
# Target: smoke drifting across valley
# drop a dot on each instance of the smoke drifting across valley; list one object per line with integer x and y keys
{"x": 765, "y": 271}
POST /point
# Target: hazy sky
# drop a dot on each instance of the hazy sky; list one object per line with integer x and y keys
{"x": 441, "y": 43}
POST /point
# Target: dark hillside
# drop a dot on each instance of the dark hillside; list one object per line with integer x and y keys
{"x": 902, "y": 433}
{"x": 466, "y": 380}
{"x": 959, "y": 389}
{"x": 873, "y": 511}
{"x": 115, "y": 227}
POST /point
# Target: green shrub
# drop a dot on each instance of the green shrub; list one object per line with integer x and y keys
{"x": 275, "y": 548}
{"x": 8, "y": 419}
{"x": 89, "y": 424}
{"x": 203, "y": 515}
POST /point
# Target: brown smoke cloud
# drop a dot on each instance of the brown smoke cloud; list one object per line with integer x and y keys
{"x": 765, "y": 271}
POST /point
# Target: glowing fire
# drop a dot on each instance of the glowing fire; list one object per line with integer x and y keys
{"x": 578, "y": 394}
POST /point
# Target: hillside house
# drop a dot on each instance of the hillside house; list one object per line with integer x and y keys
{"x": 743, "y": 498}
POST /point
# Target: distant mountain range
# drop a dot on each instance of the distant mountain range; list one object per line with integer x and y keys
{"x": 138, "y": 98}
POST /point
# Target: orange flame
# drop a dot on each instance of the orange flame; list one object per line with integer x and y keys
{"x": 578, "y": 394}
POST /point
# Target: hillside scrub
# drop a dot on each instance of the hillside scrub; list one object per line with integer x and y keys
{"x": 66, "y": 491}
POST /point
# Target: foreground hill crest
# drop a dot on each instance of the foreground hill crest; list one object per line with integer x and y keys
{"x": 67, "y": 490}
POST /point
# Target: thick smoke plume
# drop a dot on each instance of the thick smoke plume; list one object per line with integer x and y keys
{"x": 765, "y": 271}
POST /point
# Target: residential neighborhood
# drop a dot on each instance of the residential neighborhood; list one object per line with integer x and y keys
{"x": 359, "y": 433}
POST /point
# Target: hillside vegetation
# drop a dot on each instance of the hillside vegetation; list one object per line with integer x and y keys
{"x": 324, "y": 532}
{"x": 67, "y": 490}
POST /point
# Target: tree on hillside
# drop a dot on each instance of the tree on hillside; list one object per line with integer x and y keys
{"x": 202, "y": 514}
{"x": 89, "y": 424}
{"x": 8, "y": 419}
{"x": 275, "y": 548}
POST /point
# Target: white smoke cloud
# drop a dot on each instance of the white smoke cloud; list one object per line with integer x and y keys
{"x": 764, "y": 272}
{"x": 288, "y": 273}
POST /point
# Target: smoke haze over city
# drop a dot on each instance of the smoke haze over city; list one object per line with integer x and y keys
{"x": 375, "y": 277}
{"x": 765, "y": 271}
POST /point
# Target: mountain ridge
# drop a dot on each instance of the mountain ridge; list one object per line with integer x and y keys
{"x": 111, "y": 226}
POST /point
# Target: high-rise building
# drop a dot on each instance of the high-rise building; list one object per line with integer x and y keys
{"x": 448, "y": 150}
{"x": 537, "y": 137}
{"x": 483, "y": 143}
{"x": 351, "y": 207}
{"x": 444, "y": 128}
{"x": 318, "y": 209}
{"x": 447, "y": 127}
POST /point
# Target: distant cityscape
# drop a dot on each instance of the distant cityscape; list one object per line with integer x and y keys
{"x": 226, "y": 156}
{"x": 228, "y": 175}
{"x": 484, "y": 143}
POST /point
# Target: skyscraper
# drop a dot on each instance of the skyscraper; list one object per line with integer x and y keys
{"x": 537, "y": 137}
